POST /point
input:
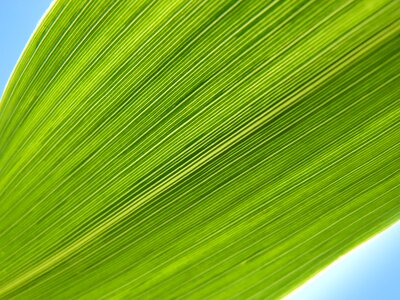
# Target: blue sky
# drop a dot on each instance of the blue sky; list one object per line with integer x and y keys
{"x": 18, "y": 19}
{"x": 371, "y": 271}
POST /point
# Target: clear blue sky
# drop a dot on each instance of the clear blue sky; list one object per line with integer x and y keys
{"x": 18, "y": 19}
{"x": 372, "y": 271}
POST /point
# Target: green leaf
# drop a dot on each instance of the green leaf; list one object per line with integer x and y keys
{"x": 196, "y": 149}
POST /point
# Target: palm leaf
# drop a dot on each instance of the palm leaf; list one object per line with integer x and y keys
{"x": 196, "y": 149}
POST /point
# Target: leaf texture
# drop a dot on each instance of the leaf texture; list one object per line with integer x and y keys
{"x": 196, "y": 149}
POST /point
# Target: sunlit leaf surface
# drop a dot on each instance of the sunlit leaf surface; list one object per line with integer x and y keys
{"x": 196, "y": 149}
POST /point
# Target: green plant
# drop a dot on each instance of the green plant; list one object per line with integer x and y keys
{"x": 196, "y": 149}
